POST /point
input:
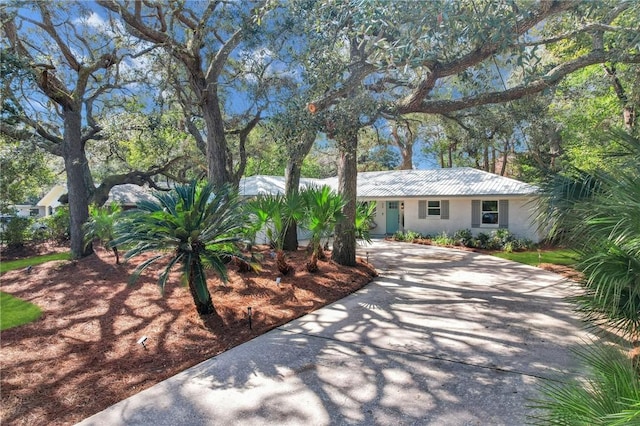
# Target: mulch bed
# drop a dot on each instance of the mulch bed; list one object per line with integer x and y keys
{"x": 82, "y": 355}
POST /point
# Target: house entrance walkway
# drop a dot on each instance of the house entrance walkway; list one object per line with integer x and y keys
{"x": 442, "y": 337}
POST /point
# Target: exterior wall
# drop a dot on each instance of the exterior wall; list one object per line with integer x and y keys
{"x": 520, "y": 216}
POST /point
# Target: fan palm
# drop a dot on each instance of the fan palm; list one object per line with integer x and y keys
{"x": 193, "y": 226}
{"x": 323, "y": 211}
{"x": 600, "y": 216}
{"x": 101, "y": 226}
{"x": 273, "y": 214}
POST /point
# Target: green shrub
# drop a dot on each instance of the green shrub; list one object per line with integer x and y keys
{"x": 483, "y": 240}
{"x": 443, "y": 239}
{"x": 412, "y": 235}
{"x": 463, "y": 237}
{"x": 17, "y": 231}
{"x": 58, "y": 224}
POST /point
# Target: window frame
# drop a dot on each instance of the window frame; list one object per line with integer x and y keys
{"x": 494, "y": 213}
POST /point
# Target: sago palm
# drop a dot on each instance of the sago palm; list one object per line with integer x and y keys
{"x": 194, "y": 227}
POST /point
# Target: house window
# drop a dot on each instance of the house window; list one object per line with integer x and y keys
{"x": 490, "y": 212}
{"x": 433, "y": 209}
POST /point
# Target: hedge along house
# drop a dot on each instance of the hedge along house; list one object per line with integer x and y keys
{"x": 432, "y": 201}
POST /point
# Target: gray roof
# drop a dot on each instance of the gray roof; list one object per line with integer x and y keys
{"x": 453, "y": 182}
{"x": 463, "y": 181}
{"x": 130, "y": 194}
{"x": 262, "y": 185}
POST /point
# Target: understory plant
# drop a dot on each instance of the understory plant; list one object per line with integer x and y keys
{"x": 101, "y": 226}
{"x": 598, "y": 214}
{"x": 194, "y": 227}
{"x": 323, "y": 209}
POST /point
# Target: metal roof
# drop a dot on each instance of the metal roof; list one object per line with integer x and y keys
{"x": 462, "y": 181}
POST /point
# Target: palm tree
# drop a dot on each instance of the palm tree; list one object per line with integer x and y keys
{"x": 323, "y": 210}
{"x": 273, "y": 214}
{"x": 194, "y": 226}
{"x": 365, "y": 215}
{"x": 598, "y": 213}
{"x": 101, "y": 225}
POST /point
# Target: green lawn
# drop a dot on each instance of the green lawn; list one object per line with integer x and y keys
{"x": 15, "y": 312}
{"x": 36, "y": 260}
{"x": 556, "y": 257}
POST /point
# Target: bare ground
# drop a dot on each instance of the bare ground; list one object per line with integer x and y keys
{"x": 82, "y": 355}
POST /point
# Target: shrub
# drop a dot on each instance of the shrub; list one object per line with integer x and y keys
{"x": 443, "y": 239}
{"x": 412, "y": 235}
{"x": 17, "y": 231}
{"x": 58, "y": 224}
{"x": 483, "y": 240}
{"x": 463, "y": 237}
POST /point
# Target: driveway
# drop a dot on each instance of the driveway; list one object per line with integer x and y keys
{"x": 442, "y": 337}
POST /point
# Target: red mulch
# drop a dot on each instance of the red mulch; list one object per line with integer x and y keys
{"x": 82, "y": 355}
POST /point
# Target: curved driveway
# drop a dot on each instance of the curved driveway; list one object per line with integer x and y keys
{"x": 442, "y": 337}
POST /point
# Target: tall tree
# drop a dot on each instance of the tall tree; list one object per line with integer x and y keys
{"x": 201, "y": 37}
{"x": 409, "y": 55}
{"x": 73, "y": 73}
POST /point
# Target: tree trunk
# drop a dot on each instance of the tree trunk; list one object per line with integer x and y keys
{"x": 76, "y": 166}
{"x": 291, "y": 185}
{"x": 203, "y": 308}
{"x": 344, "y": 243}
{"x": 216, "y": 140}
{"x": 407, "y": 157}
{"x": 297, "y": 154}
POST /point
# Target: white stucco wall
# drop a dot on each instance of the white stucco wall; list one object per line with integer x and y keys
{"x": 520, "y": 217}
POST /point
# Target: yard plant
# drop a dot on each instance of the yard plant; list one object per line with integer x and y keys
{"x": 195, "y": 226}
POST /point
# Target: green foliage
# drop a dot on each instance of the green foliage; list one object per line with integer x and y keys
{"x": 463, "y": 237}
{"x": 57, "y": 224}
{"x": 25, "y": 171}
{"x": 443, "y": 239}
{"x": 365, "y": 215}
{"x": 272, "y": 214}
{"x": 195, "y": 226}
{"x": 610, "y": 395}
{"x": 599, "y": 214}
{"x": 323, "y": 209}
{"x": 101, "y": 226}
{"x": 17, "y": 231}
{"x": 407, "y": 236}
{"x": 16, "y": 312}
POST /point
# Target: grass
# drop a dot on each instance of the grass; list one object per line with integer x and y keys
{"x": 534, "y": 258}
{"x": 35, "y": 260}
{"x": 15, "y": 312}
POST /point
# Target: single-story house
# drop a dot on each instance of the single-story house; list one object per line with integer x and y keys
{"x": 432, "y": 201}
{"x": 126, "y": 196}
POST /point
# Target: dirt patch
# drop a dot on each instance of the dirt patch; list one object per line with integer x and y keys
{"x": 565, "y": 271}
{"x": 82, "y": 355}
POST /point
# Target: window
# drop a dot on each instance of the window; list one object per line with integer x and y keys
{"x": 433, "y": 209}
{"x": 490, "y": 212}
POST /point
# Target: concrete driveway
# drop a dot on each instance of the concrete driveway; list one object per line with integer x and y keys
{"x": 442, "y": 337}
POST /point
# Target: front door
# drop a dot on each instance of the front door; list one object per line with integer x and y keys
{"x": 393, "y": 216}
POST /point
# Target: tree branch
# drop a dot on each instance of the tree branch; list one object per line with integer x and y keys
{"x": 548, "y": 80}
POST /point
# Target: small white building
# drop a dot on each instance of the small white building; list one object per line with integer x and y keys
{"x": 432, "y": 201}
